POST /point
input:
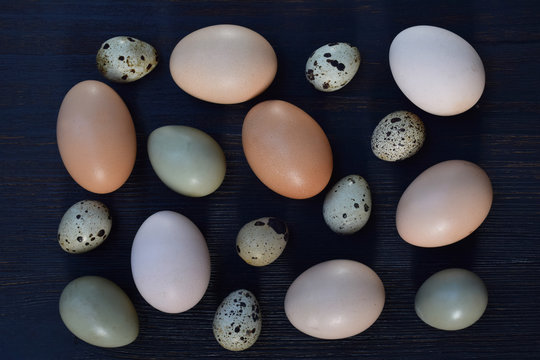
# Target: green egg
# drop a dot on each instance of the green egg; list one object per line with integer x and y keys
{"x": 98, "y": 312}
{"x": 451, "y": 299}
{"x": 187, "y": 160}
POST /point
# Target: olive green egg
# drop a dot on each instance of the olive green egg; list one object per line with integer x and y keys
{"x": 99, "y": 312}
{"x": 451, "y": 299}
{"x": 187, "y": 160}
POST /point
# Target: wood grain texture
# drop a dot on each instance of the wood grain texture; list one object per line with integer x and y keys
{"x": 48, "y": 46}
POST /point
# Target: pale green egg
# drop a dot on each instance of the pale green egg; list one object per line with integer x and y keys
{"x": 187, "y": 160}
{"x": 451, "y": 299}
{"x": 99, "y": 312}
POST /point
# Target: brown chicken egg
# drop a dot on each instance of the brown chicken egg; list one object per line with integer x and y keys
{"x": 96, "y": 137}
{"x": 287, "y": 149}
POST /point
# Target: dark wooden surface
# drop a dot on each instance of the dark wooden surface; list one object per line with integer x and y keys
{"x": 48, "y": 46}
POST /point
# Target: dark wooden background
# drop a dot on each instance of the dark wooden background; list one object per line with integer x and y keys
{"x": 48, "y": 46}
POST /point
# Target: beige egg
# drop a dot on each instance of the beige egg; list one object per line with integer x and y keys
{"x": 224, "y": 64}
{"x": 260, "y": 242}
{"x": 335, "y": 299}
{"x": 444, "y": 204}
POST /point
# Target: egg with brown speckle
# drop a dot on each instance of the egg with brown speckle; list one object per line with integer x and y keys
{"x": 126, "y": 59}
{"x": 398, "y": 136}
{"x": 84, "y": 226}
{"x": 260, "y": 242}
{"x": 237, "y": 322}
{"x": 332, "y": 66}
{"x": 347, "y": 206}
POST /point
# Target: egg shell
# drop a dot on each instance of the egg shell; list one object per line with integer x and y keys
{"x": 126, "y": 59}
{"x": 96, "y": 137}
{"x": 260, "y": 242}
{"x": 444, "y": 204}
{"x": 170, "y": 262}
{"x": 224, "y": 64}
{"x": 347, "y": 206}
{"x": 398, "y": 136}
{"x": 332, "y": 66}
{"x": 99, "y": 312}
{"x": 187, "y": 160}
{"x": 287, "y": 149}
{"x": 437, "y": 70}
{"x": 451, "y": 299}
{"x": 84, "y": 226}
{"x": 238, "y": 321}
{"x": 335, "y": 299}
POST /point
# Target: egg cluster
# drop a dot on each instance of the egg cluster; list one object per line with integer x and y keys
{"x": 170, "y": 261}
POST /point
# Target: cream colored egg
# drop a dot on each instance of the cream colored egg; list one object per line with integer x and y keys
{"x": 335, "y": 299}
{"x": 224, "y": 64}
{"x": 444, "y": 204}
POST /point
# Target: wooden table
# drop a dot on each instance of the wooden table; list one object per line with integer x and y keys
{"x": 48, "y": 46}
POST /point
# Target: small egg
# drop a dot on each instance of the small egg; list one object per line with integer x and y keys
{"x": 444, "y": 204}
{"x": 126, "y": 59}
{"x": 335, "y": 299}
{"x": 347, "y": 206}
{"x": 451, "y": 299}
{"x": 332, "y": 66}
{"x": 437, "y": 70}
{"x": 187, "y": 160}
{"x": 262, "y": 241}
{"x": 99, "y": 312}
{"x": 84, "y": 226}
{"x": 238, "y": 321}
{"x": 398, "y": 136}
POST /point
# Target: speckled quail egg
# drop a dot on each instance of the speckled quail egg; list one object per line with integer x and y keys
{"x": 126, "y": 59}
{"x": 84, "y": 226}
{"x": 332, "y": 66}
{"x": 398, "y": 136}
{"x": 237, "y": 322}
{"x": 261, "y": 241}
{"x": 347, "y": 206}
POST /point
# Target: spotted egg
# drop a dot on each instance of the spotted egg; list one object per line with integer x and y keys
{"x": 261, "y": 241}
{"x": 237, "y": 322}
{"x": 332, "y": 66}
{"x": 126, "y": 59}
{"x": 398, "y": 136}
{"x": 347, "y": 206}
{"x": 84, "y": 226}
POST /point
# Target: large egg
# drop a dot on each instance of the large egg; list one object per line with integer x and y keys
{"x": 186, "y": 159}
{"x": 170, "y": 262}
{"x": 444, "y": 204}
{"x": 96, "y": 137}
{"x": 335, "y": 299}
{"x": 287, "y": 149}
{"x": 98, "y": 312}
{"x": 437, "y": 70}
{"x": 224, "y": 64}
